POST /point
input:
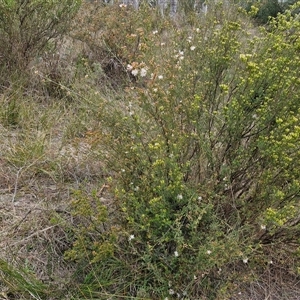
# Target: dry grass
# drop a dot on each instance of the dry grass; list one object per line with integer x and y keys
{"x": 44, "y": 157}
{"x": 275, "y": 283}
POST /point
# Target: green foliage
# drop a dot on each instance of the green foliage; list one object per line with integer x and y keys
{"x": 10, "y": 111}
{"x": 92, "y": 215}
{"x": 20, "y": 281}
{"x": 204, "y": 149}
{"x": 268, "y": 9}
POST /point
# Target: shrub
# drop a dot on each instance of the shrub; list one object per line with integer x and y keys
{"x": 204, "y": 153}
{"x": 28, "y": 27}
{"x": 113, "y": 36}
{"x": 269, "y": 9}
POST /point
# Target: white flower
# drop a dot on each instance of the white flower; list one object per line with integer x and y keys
{"x": 160, "y": 77}
{"x": 171, "y": 292}
{"x": 181, "y": 52}
{"x": 162, "y": 44}
{"x": 129, "y": 67}
{"x": 155, "y": 32}
{"x": 193, "y": 48}
{"x": 208, "y": 252}
{"x": 245, "y": 260}
{"x": 263, "y": 227}
{"x": 136, "y": 188}
{"x": 143, "y": 72}
{"x": 122, "y": 170}
{"x": 176, "y": 253}
{"x": 179, "y": 197}
{"x": 199, "y": 198}
{"x": 155, "y": 90}
{"x": 123, "y": 5}
{"x": 195, "y": 277}
{"x": 135, "y": 72}
{"x": 131, "y": 237}
{"x": 197, "y": 29}
{"x": 271, "y": 262}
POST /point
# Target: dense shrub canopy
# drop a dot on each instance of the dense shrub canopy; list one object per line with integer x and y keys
{"x": 204, "y": 149}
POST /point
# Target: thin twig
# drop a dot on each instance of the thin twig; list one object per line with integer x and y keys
{"x": 16, "y": 185}
{"x": 33, "y": 234}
